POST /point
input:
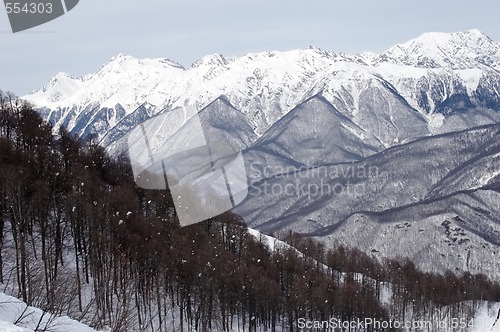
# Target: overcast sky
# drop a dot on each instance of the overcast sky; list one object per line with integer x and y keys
{"x": 96, "y": 30}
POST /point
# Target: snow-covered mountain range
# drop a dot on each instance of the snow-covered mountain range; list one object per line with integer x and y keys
{"x": 423, "y": 115}
{"x": 405, "y": 92}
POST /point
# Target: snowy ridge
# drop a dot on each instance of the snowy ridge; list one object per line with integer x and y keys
{"x": 459, "y": 50}
{"x": 436, "y": 72}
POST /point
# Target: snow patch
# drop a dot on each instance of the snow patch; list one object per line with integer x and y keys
{"x": 29, "y": 319}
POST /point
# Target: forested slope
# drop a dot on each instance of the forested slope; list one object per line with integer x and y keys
{"x": 78, "y": 238}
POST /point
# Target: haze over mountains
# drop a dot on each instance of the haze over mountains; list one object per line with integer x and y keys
{"x": 424, "y": 114}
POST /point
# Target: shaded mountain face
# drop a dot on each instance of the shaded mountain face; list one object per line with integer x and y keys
{"x": 312, "y": 134}
{"x": 419, "y": 172}
{"x": 436, "y": 195}
{"x": 451, "y": 81}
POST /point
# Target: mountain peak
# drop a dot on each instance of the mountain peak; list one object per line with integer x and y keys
{"x": 325, "y": 53}
{"x": 124, "y": 59}
{"x": 475, "y": 32}
{"x": 456, "y": 50}
{"x": 120, "y": 57}
{"x": 213, "y": 60}
{"x": 57, "y": 88}
{"x": 462, "y": 37}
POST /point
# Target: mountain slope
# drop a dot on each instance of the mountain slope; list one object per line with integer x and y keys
{"x": 399, "y": 176}
{"x": 431, "y": 181}
{"x": 312, "y": 134}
